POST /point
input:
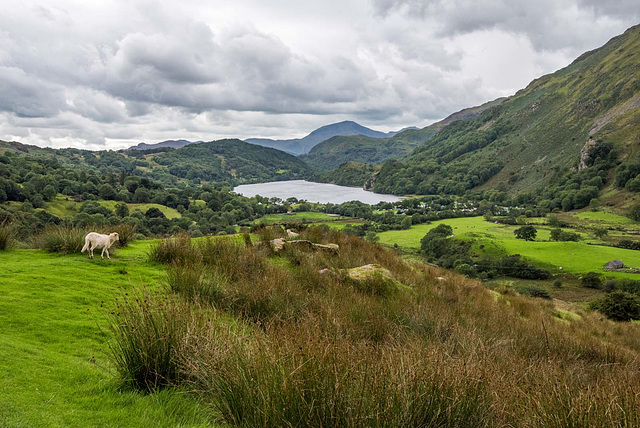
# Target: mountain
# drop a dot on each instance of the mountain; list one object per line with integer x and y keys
{"x": 332, "y": 153}
{"x": 175, "y": 144}
{"x": 560, "y": 141}
{"x": 299, "y": 146}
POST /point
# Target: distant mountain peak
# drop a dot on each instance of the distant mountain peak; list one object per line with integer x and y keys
{"x": 303, "y": 145}
{"x": 176, "y": 144}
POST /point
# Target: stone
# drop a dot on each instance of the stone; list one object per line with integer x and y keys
{"x": 614, "y": 264}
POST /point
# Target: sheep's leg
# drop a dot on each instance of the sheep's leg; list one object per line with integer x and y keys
{"x": 91, "y": 251}
{"x": 107, "y": 253}
{"x": 102, "y": 254}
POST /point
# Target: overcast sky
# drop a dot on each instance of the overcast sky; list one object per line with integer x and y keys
{"x": 109, "y": 74}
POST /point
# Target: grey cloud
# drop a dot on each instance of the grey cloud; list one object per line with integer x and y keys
{"x": 549, "y": 24}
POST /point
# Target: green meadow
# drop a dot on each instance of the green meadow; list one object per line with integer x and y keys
{"x": 65, "y": 207}
{"x": 54, "y": 364}
{"x": 492, "y": 238}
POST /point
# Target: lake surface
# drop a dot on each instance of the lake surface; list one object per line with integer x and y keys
{"x": 313, "y": 192}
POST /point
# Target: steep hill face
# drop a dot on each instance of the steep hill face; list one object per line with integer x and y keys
{"x": 299, "y": 146}
{"x": 332, "y": 153}
{"x": 562, "y": 130}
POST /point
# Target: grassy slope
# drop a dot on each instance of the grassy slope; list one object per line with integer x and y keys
{"x": 54, "y": 369}
{"x": 575, "y": 257}
{"x": 65, "y": 207}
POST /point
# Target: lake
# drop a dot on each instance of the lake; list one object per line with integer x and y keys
{"x": 313, "y": 192}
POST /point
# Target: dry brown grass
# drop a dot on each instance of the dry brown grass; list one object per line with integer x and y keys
{"x": 311, "y": 349}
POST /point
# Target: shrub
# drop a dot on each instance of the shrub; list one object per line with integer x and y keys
{"x": 619, "y": 306}
{"x": 61, "y": 239}
{"x": 557, "y": 283}
{"x": 532, "y": 290}
{"x": 591, "y": 280}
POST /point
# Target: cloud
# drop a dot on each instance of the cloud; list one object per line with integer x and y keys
{"x": 113, "y": 74}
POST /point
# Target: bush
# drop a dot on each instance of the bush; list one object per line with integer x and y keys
{"x": 532, "y": 290}
{"x": 61, "y": 239}
{"x": 557, "y": 283}
{"x": 591, "y": 280}
{"x": 619, "y": 306}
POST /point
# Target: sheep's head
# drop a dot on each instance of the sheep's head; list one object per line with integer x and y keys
{"x": 114, "y": 237}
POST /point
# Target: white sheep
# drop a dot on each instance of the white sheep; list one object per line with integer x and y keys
{"x": 95, "y": 240}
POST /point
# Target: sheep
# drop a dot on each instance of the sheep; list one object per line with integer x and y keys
{"x": 96, "y": 240}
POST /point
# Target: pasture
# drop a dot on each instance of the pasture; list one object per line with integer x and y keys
{"x": 573, "y": 257}
{"x": 54, "y": 366}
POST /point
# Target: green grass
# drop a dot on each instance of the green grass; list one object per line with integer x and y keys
{"x": 604, "y": 217}
{"x": 65, "y": 207}
{"x": 168, "y": 212}
{"x": 312, "y": 217}
{"x": 54, "y": 366}
{"x": 574, "y": 257}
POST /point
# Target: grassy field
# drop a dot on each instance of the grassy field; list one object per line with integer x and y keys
{"x": 54, "y": 367}
{"x": 574, "y": 257}
{"x": 65, "y": 207}
{"x": 311, "y": 217}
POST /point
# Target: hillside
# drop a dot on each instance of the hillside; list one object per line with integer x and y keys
{"x": 330, "y": 154}
{"x": 565, "y": 133}
{"x": 299, "y": 146}
{"x": 231, "y": 161}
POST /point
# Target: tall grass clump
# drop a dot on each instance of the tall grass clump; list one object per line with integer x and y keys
{"x": 191, "y": 280}
{"x": 328, "y": 383}
{"x": 126, "y": 233}
{"x": 61, "y": 239}
{"x": 178, "y": 249}
{"x": 148, "y": 335}
{"x": 7, "y": 235}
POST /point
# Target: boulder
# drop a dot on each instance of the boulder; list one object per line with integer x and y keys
{"x": 279, "y": 244}
{"x": 362, "y": 273}
{"x": 614, "y": 264}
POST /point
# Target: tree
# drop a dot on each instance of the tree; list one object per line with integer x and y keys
{"x": 406, "y": 222}
{"x": 591, "y": 280}
{"x": 634, "y": 212}
{"x": 122, "y": 210}
{"x": 619, "y": 306}
{"x": 528, "y": 233}
{"x": 141, "y": 195}
{"x": 435, "y": 243}
{"x": 601, "y": 233}
{"x": 106, "y": 191}
{"x": 556, "y": 234}
{"x": 49, "y": 192}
